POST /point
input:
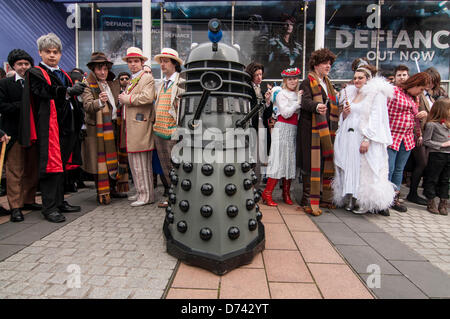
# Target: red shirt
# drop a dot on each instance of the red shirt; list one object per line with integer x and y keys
{"x": 402, "y": 110}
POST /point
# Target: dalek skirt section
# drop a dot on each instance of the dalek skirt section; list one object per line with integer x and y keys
{"x": 213, "y": 220}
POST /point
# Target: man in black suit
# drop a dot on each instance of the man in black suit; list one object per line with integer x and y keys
{"x": 21, "y": 167}
{"x": 47, "y": 118}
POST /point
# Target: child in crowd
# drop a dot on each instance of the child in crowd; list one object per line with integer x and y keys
{"x": 437, "y": 172}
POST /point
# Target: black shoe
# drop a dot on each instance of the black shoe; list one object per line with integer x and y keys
{"x": 55, "y": 217}
{"x": 67, "y": 208}
{"x": 119, "y": 195}
{"x": 16, "y": 215}
{"x": 81, "y": 184}
{"x": 384, "y": 212}
{"x": 417, "y": 200}
{"x": 4, "y": 211}
{"x": 70, "y": 188}
{"x": 399, "y": 207}
{"x": 33, "y": 206}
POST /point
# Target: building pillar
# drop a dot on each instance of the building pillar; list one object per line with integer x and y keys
{"x": 320, "y": 24}
{"x": 147, "y": 28}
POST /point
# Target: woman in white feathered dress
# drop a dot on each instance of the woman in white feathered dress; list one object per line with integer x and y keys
{"x": 360, "y": 147}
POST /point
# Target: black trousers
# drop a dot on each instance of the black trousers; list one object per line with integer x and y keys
{"x": 52, "y": 191}
{"x": 436, "y": 177}
{"x": 420, "y": 159}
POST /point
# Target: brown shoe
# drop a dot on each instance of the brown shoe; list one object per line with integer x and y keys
{"x": 396, "y": 205}
{"x": 443, "y": 207}
{"x": 163, "y": 204}
{"x": 431, "y": 206}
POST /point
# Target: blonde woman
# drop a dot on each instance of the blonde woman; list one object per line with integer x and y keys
{"x": 282, "y": 162}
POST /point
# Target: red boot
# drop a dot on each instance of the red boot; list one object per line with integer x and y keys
{"x": 287, "y": 191}
{"x": 267, "y": 194}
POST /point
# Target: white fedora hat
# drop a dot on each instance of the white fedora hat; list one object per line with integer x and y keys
{"x": 134, "y": 52}
{"x": 168, "y": 53}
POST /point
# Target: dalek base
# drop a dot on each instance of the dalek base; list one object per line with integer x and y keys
{"x": 219, "y": 265}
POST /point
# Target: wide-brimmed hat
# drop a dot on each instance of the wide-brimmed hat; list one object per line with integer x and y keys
{"x": 291, "y": 73}
{"x": 98, "y": 58}
{"x": 134, "y": 52}
{"x": 168, "y": 53}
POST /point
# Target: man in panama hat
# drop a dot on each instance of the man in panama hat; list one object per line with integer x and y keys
{"x": 139, "y": 116}
{"x": 166, "y": 107}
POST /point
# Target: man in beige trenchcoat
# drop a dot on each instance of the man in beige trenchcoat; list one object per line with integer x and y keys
{"x": 139, "y": 116}
{"x": 100, "y": 101}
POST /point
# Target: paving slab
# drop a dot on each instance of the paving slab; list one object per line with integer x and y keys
{"x": 361, "y": 257}
{"x": 430, "y": 279}
{"x": 396, "y": 287}
{"x": 9, "y": 229}
{"x": 390, "y": 248}
{"x": 326, "y": 217}
{"x": 341, "y": 234}
{"x": 361, "y": 225}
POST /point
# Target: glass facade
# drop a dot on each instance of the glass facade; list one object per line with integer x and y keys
{"x": 279, "y": 33}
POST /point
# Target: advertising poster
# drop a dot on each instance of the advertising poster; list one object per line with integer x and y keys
{"x": 418, "y": 37}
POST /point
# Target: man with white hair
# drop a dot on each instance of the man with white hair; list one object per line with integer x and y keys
{"x": 47, "y": 118}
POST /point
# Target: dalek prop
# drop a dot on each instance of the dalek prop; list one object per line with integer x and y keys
{"x": 213, "y": 219}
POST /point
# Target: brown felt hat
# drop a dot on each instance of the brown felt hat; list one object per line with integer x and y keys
{"x": 98, "y": 58}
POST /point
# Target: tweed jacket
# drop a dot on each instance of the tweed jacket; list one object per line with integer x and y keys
{"x": 140, "y": 116}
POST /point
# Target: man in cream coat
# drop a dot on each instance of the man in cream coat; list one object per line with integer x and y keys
{"x": 139, "y": 116}
{"x": 166, "y": 108}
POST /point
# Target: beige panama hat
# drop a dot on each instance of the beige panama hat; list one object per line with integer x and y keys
{"x": 168, "y": 53}
{"x": 134, "y": 52}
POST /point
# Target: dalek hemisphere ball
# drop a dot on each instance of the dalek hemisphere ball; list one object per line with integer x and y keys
{"x": 213, "y": 220}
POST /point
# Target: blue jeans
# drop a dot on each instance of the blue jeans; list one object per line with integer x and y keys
{"x": 397, "y": 162}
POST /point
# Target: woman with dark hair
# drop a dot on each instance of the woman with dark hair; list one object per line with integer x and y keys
{"x": 419, "y": 155}
{"x": 436, "y": 91}
{"x": 316, "y": 129}
{"x": 404, "y": 120}
{"x": 360, "y": 153}
{"x": 260, "y": 122}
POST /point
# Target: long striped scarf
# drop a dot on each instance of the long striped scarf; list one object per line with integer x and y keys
{"x": 107, "y": 164}
{"x": 122, "y": 175}
{"x": 322, "y": 139}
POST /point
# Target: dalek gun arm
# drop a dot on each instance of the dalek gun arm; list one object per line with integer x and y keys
{"x": 210, "y": 81}
{"x": 241, "y": 123}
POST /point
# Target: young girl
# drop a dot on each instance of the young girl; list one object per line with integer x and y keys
{"x": 437, "y": 173}
{"x": 282, "y": 150}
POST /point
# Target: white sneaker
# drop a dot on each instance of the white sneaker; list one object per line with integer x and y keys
{"x": 138, "y": 203}
{"x": 133, "y": 198}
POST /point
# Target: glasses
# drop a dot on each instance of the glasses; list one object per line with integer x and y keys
{"x": 124, "y": 79}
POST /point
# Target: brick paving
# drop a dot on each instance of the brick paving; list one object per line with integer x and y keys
{"x": 119, "y": 251}
{"x": 427, "y": 234}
